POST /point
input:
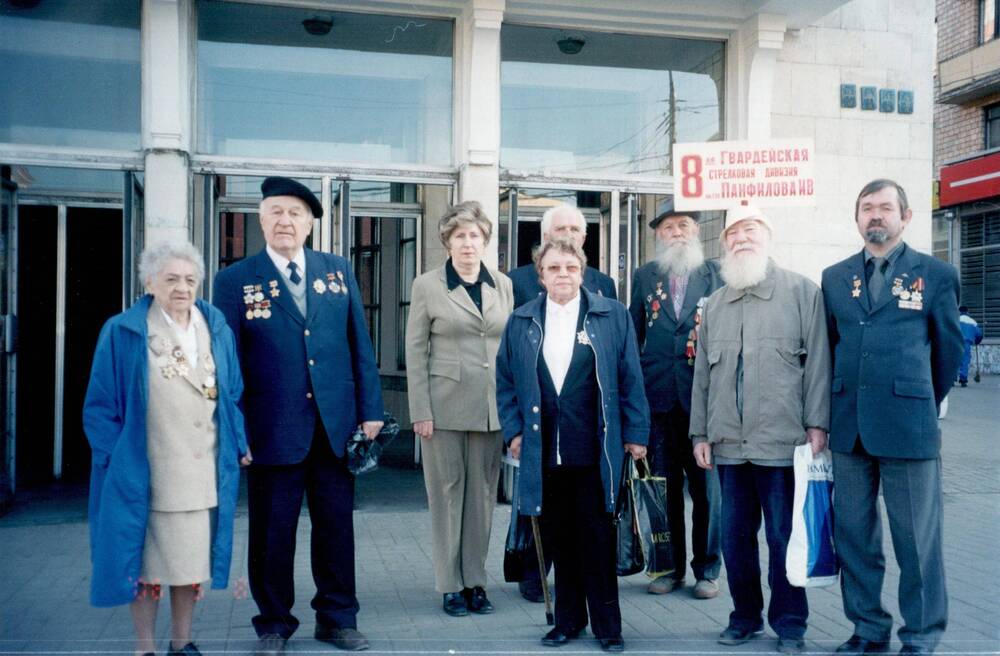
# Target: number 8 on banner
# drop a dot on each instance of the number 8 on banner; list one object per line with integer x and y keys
{"x": 691, "y": 186}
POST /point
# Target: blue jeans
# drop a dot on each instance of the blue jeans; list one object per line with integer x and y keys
{"x": 749, "y": 490}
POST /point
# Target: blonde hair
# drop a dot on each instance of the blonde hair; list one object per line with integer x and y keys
{"x": 559, "y": 245}
{"x": 464, "y": 213}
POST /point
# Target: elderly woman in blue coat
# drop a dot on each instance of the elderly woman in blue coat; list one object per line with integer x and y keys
{"x": 571, "y": 402}
{"x": 167, "y": 439}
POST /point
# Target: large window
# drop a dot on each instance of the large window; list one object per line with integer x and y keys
{"x": 981, "y": 270}
{"x": 291, "y": 83}
{"x": 70, "y": 73}
{"x": 594, "y": 103}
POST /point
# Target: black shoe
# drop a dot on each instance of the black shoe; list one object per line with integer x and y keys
{"x": 532, "y": 591}
{"x": 737, "y": 636}
{"x": 791, "y": 645}
{"x": 476, "y": 601}
{"x": 454, "y": 604}
{"x": 615, "y": 644}
{"x": 915, "y": 649}
{"x": 188, "y": 649}
{"x": 270, "y": 644}
{"x": 963, "y": 383}
{"x": 347, "y": 639}
{"x": 558, "y": 637}
{"x": 858, "y": 645}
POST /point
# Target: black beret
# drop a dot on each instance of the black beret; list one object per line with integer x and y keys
{"x": 277, "y": 186}
{"x": 666, "y": 209}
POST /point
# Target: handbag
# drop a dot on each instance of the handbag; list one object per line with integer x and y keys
{"x": 630, "y": 559}
{"x": 362, "y": 453}
{"x": 520, "y": 540}
{"x": 650, "y": 497}
{"x": 811, "y": 559}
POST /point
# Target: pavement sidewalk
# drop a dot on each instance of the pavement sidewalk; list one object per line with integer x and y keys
{"x": 45, "y": 575}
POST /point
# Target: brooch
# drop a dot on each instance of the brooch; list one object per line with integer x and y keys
{"x": 582, "y": 338}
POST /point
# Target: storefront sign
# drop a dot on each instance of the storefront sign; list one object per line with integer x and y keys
{"x": 717, "y": 175}
{"x": 970, "y": 180}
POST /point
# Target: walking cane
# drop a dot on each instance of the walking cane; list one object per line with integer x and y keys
{"x": 549, "y": 618}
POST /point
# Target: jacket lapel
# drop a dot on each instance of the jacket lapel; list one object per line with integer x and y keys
{"x": 461, "y": 298}
{"x": 266, "y": 272}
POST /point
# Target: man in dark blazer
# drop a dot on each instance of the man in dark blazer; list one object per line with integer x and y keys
{"x": 896, "y": 342}
{"x": 667, "y": 296}
{"x": 563, "y": 221}
{"x": 311, "y": 378}
{"x": 560, "y": 221}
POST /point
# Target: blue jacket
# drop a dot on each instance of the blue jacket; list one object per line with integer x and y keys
{"x": 624, "y": 416}
{"x": 294, "y": 366}
{"x": 527, "y": 286}
{"x": 895, "y": 362}
{"x": 114, "y": 418}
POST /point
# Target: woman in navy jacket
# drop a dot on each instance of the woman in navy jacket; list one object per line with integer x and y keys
{"x": 571, "y": 403}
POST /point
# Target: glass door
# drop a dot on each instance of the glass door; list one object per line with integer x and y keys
{"x": 8, "y": 272}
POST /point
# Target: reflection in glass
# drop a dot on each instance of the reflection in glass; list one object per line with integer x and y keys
{"x": 613, "y": 108}
{"x": 372, "y": 89}
{"x": 70, "y": 73}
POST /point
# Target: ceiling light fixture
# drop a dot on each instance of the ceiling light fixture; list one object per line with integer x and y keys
{"x": 570, "y": 45}
{"x": 318, "y": 26}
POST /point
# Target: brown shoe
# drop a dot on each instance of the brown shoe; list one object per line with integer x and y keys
{"x": 705, "y": 589}
{"x": 270, "y": 644}
{"x": 663, "y": 584}
{"x": 342, "y": 638}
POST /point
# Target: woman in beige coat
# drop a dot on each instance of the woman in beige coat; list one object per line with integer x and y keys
{"x": 457, "y": 314}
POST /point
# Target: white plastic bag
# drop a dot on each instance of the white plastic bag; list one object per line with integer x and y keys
{"x": 811, "y": 560}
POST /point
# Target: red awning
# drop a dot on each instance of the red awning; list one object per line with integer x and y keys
{"x": 970, "y": 180}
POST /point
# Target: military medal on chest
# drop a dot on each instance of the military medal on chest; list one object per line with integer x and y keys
{"x": 318, "y": 286}
{"x": 856, "y": 287}
{"x": 912, "y": 298}
{"x": 209, "y": 388}
{"x": 256, "y": 305}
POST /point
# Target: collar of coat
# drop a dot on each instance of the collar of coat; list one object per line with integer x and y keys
{"x": 533, "y": 309}
{"x": 763, "y": 290}
{"x": 134, "y": 318}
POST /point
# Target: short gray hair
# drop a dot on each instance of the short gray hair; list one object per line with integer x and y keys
{"x": 464, "y": 213}
{"x": 559, "y": 245}
{"x": 559, "y": 209}
{"x": 155, "y": 257}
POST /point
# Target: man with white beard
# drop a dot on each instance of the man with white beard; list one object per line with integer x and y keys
{"x": 761, "y": 388}
{"x": 667, "y": 296}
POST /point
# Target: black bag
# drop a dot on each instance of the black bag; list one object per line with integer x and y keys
{"x": 362, "y": 453}
{"x": 520, "y": 540}
{"x": 650, "y": 498}
{"x": 629, "y": 548}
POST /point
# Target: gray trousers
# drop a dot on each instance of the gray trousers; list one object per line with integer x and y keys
{"x": 461, "y": 469}
{"x": 912, "y": 493}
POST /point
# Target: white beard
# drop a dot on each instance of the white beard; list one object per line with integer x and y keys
{"x": 680, "y": 258}
{"x": 744, "y": 270}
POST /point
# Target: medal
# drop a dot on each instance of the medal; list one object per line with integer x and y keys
{"x": 856, "y": 292}
{"x": 249, "y": 315}
{"x": 265, "y": 314}
{"x": 334, "y": 287}
{"x": 209, "y": 381}
{"x": 318, "y": 286}
{"x": 905, "y": 295}
{"x": 257, "y": 312}
{"x": 582, "y": 338}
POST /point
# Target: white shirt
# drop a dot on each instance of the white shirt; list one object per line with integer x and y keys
{"x": 187, "y": 336}
{"x": 560, "y": 337}
{"x": 281, "y": 263}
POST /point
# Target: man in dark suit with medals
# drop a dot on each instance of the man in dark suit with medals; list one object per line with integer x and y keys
{"x": 667, "y": 297}
{"x": 311, "y": 378}
{"x": 894, "y": 330}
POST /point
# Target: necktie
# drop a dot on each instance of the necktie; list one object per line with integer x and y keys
{"x": 876, "y": 279}
{"x": 294, "y": 275}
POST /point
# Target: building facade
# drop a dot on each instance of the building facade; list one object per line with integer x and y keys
{"x": 125, "y": 122}
{"x": 967, "y": 160}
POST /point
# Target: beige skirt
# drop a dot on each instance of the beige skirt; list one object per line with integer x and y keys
{"x": 178, "y": 546}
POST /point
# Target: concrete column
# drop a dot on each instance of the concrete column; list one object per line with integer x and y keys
{"x": 478, "y": 108}
{"x": 169, "y": 37}
{"x": 753, "y": 55}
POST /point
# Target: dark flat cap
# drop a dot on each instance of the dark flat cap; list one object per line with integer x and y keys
{"x": 278, "y": 186}
{"x": 666, "y": 210}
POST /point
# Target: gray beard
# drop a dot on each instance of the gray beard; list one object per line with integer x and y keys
{"x": 744, "y": 270}
{"x": 876, "y": 236}
{"x": 679, "y": 259}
